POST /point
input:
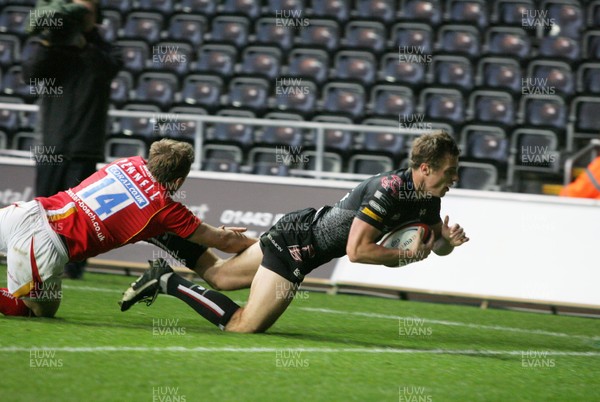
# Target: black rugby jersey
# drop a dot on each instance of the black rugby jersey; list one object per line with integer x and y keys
{"x": 385, "y": 201}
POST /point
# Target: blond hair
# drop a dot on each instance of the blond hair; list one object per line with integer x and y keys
{"x": 431, "y": 148}
{"x": 170, "y": 160}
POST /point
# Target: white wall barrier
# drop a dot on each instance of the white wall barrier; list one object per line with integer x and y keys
{"x": 537, "y": 248}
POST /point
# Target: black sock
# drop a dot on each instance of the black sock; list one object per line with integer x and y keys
{"x": 214, "y": 306}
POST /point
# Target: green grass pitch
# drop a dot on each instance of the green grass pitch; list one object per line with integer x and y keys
{"x": 324, "y": 348}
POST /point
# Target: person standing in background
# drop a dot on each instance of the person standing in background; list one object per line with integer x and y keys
{"x": 70, "y": 55}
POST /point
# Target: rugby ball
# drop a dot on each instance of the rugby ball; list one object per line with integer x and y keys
{"x": 403, "y": 237}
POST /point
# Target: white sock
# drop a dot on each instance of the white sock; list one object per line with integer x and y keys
{"x": 163, "y": 282}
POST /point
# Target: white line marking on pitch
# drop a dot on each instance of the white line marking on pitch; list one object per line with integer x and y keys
{"x": 451, "y": 323}
{"x": 232, "y": 349}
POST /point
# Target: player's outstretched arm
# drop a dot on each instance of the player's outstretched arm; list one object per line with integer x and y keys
{"x": 224, "y": 239}
{"x": 362, "y": 247}
{"x": 448, "y": 237}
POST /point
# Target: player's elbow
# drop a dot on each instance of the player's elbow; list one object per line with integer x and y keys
{"x": 353, "y": 254}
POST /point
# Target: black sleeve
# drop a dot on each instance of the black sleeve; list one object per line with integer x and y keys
{"x": 376, "y": 207}
{"x": 111, "y": 56}
{"x": 45, "y": 62}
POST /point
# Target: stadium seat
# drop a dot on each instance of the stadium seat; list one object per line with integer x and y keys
{"x": 158, "y": 88}
{"x": 344, "y": 98}
{"x": 186, "y": 127}
{"x": 390, "y": 143}
{"x": 337, "y": 10}
{"x": 507, "y": 41}
{"x": 272, "y": 155}
{"x": 136, "y": 55}
{"x": 248, "y": 8}
{"x": 25, "y": 140}
{"x": 249, "y": 92}
{"x": 369, "y": 164}
{"x": 220, "y": 152}
{"x": 13, "y": 83}
{"x": 588, "y": 78}
{"x": 111, "y": 24}
{"x": 122, "y": 6}
{"x": 10, "y": 120}
{"x": 14, "y": 19}
{"x": 513, "y": 13}
{"x": 173, "y": 57}
{"x": 461, "y": 39}
{"x": 384, "y": 10}
{"x": 309, "y": 63}
{"x": 10, "y": 49}
{"x": 477, "y": 176}
{"x": 560, "y": 47}
{"x": 206, "y": 8}
{"x": 566, "y": 16}
{"x": 322, "y": 34}
{"x": 294, "y": 6}
{"x": 338, "y": 140}
{"x": 366, "y": 35}
{"x": 355, "y": 65}
{"x": 484, "y": 142}
{"x": 143, "y": 26}
{"x": 591, "y": 45}
{"x": 551, "y": 76}
{"x": 491, "y": 107}
{"x": 593, "y": 14}
{"x": 391, "y": 100}
{"x": 116, "y": 148}
{"x": 261, "y": 60}
{"x": 543, "y": 110}
{"x": 270, "y": 32}
{"x": 452, "y": 70}
{"x": 217, "y": 165}
{"x": 442, "y": 103}
{"x": 270, "y": 169}
{"x": 296, "y": 95}
{"x": 584, "y": 119}
{"x": 405, "y": 72}
{"x": 532, "y": 150}
{"x": 283, "y": 135}
{"x": 120, "y": 88}
{"x": 144, "y": 127}
{"x": 467, "y": 12}
{"x": 164, "y": 7}
{"x": 217, "y": 59}
{"x": 238, "y": 134}
{"x": 230, "y": 29}
{"x": 187, "y": 27}
{"x": 413, "y": 38}
{"x": 203, "y": 90}
{"x": 332, "y": 162}
{"x": 429, "y": 11}
{"x": 500, "y": 73}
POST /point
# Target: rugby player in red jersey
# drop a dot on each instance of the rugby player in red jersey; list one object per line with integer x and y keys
{"x": 126, "y": 201}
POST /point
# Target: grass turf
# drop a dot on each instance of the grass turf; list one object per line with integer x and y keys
{"x": 324, "y": 348}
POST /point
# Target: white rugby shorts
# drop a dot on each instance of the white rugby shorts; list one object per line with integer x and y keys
{"x": 35, "y": 254}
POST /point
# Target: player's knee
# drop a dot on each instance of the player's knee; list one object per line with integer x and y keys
{"x": 239, "y": 323}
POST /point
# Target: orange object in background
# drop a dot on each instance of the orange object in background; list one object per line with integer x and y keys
{"x": 587, "y": 184}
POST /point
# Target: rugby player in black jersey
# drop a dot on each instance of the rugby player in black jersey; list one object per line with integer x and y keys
{"x": 303, "y": 240}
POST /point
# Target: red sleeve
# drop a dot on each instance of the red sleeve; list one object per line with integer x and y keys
{"x": 176, "y": 218}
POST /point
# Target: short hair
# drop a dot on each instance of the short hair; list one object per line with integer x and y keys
{"x": 170, "y": 160}
{"x": 431, "y": 148}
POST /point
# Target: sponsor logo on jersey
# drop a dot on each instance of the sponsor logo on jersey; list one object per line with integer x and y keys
{"x": 392, "y": 183}
{"x": 131, "y": 187}
{"x": 377, "y": 207}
